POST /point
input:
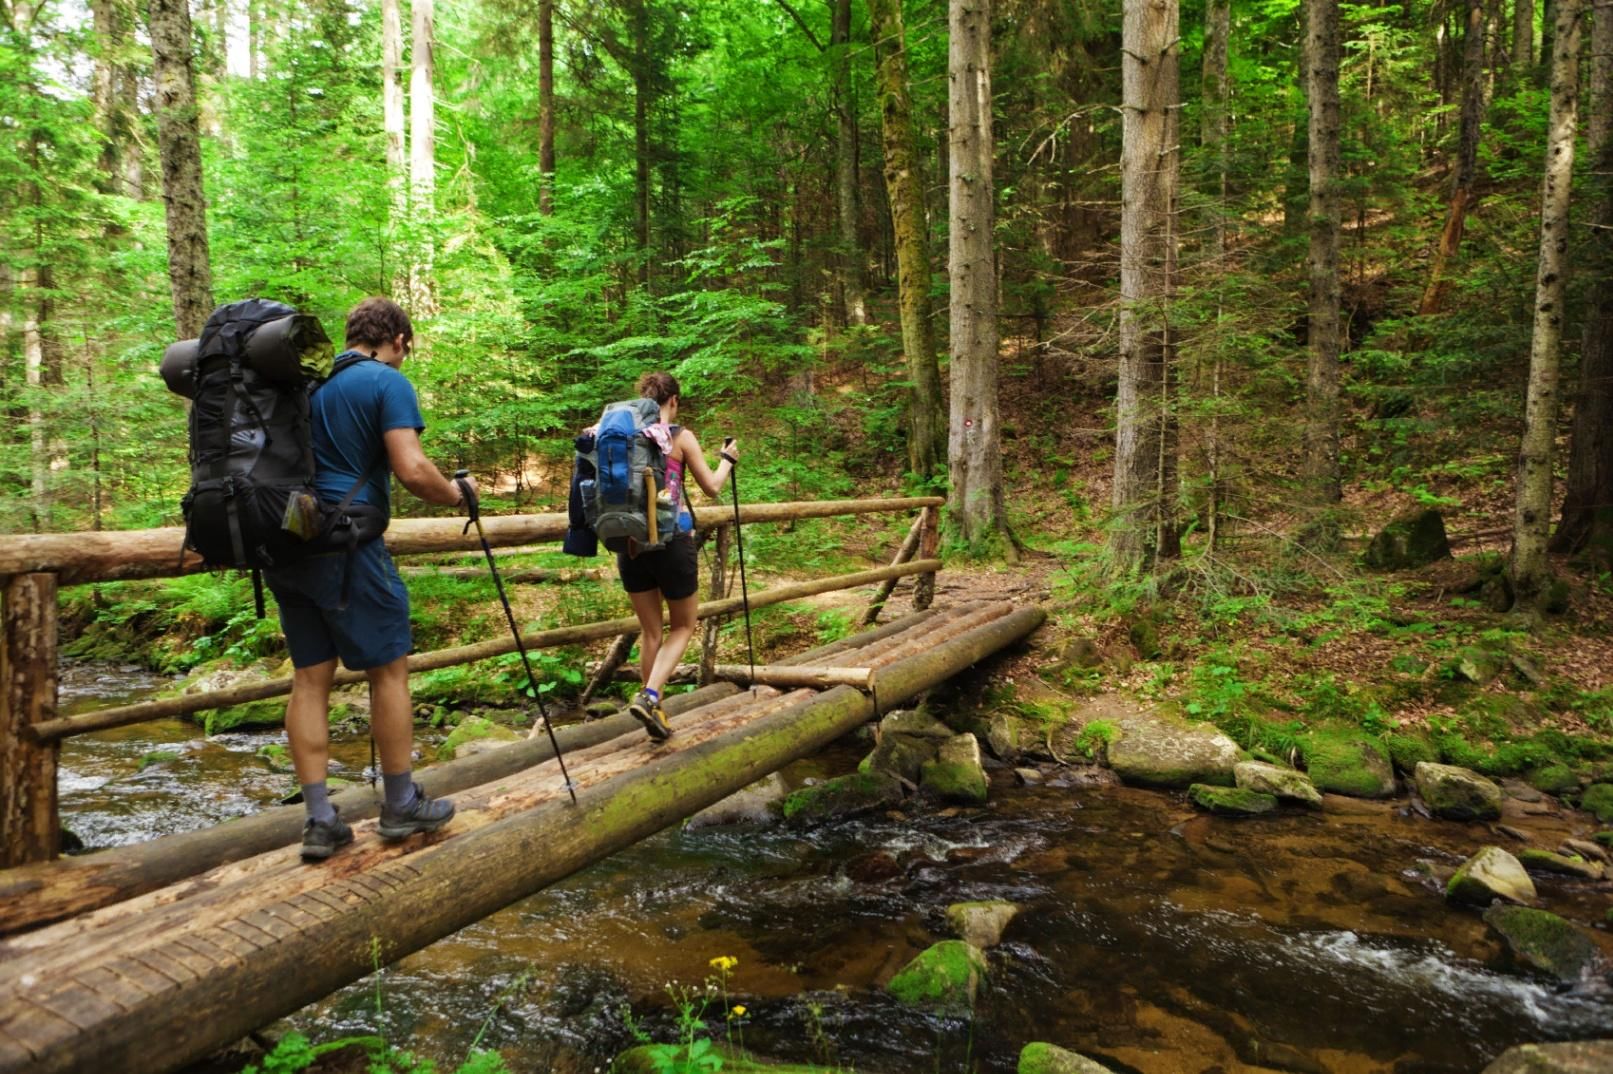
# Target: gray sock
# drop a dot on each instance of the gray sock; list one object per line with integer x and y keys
{"x": 399, "y": 789}
{"x": 316, "y": 798}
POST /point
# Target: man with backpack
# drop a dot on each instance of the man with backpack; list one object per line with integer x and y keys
{"x": 365, "y": 424}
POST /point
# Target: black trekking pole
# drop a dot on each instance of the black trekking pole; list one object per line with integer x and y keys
{"x": 472, "y": 506}
{"x": 739, "y": 540}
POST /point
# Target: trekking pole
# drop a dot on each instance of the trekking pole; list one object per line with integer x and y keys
{"x": 739, "y": 540}
{"x": 472, "y": 506}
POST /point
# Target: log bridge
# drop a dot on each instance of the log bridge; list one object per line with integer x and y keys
{"x": 149, "y": 957}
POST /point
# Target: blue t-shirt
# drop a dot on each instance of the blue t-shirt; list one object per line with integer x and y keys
{"x": 349, "y": 414}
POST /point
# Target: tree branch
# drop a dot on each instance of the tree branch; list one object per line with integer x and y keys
{"x": 799, "y": 21}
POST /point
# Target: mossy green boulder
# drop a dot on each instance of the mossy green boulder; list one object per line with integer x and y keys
{"x": 956, "y": 774}
{"x": 1412, "y": 540}
{"x": 1572, "y": 1057}
{"x": 1039, "y": 1057}
{"x": 1405, "y": 751}
{"x": 1546, "y": 861}
{"x": 1557, "y": 779}
{"x": 843, "y": 796}
{"x": 1285, "y": 783}
{"x": 1232, "y": 801}
{"x": 1347, "y": 761}
{"x": 944, "y": 978}
{"x": 1159, "y": 749}
{"x": 1541, "y": 941}
{"x": 1598, "y": 802}
{"x": 1457, "y": 793}
{"x": 1492, "y": 873}
{"x": 900, "y": 755}
{"x": 478, "y": 730}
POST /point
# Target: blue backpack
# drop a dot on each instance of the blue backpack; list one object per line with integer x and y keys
{"x": 621, "y": 473}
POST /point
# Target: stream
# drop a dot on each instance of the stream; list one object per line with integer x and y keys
{"x": 1151, "y": 937}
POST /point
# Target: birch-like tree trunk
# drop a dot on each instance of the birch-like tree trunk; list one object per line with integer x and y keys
{"x": 423, "y": 154}
{"x": 546, "y": 107}
{"x": 974, "y": 444}
{"x": 1530, "y": 571}
{"x": 904, "y": 186}
{"x": 190, "y": 274}
{"x": 392, "y": 119}
{"x": 1587, "y": 518}
{"x": 33, "y": 358}
{"x": 1467, "y": 159}
{"x": 1144, "y": 484}
{"x": 853, "y": 289}
{"x": 1322, "y": 264}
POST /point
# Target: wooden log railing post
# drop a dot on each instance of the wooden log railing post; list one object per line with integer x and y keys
{"x": 717, "y": 591}
{"x": 910, "y": 544}
{"x": 929, "y": 545}
{"x": 614, "y": 658}
{"x": 30, "y": 829}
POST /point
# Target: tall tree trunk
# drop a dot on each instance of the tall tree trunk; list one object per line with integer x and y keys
{"x": 1214, "y": 129}
{"x": 190, "y": 274}
{"x": 1467, "y": 159}
{"x": 1144, "y": 485}
{"x": 34, "y": 315}
{"x": 423, "y": 153}
{"x": 1523, "y": 39}
{"x": 904, "y": 187}
{"x": 1325, "y": 331}
{"x": 255, "y": 16}
{"x": 641, "y": 137}
{"x": 546, "y": 107}
{"x": 392, "y": 118}
{"x": 1530, "y": 570}
{"x": 1587, "y": 519}
{"x": 974, "y": 444}
{"x": 852, "y": 286}
{"x": 1295, "y": 192}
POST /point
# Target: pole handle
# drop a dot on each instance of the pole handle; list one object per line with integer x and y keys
{"x": 472, "y": 506}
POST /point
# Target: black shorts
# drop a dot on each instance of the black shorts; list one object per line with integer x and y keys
{"x": 674, "y": 570}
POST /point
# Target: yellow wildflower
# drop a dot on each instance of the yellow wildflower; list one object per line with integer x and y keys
{"x": 724, "y": 963}
{"x": 738, "y": 1011}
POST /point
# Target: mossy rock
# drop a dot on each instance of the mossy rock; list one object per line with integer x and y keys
{"x": 1457, "y": 793}
{"x": 843, "y": 796}
{"x": 1158, "y": 749}
{"x": 268, "y": 713}
{"x": 1279, "y": 780}
{"x": 956, "y": 773}
{"x": 1598, "y": 802}
{"x": 1039, "y": 1057}
{"x": 1573, "y": 1057}
{"x": 1547, "y": 861}
{"x": 1490, "y": 874}
{"x": 1348, "y": 762}
{"x": 1143, "y": 633}
{"x": 1557, "y": 779}
{"x": 650, "y": 1058}
{"x": 158, "y": 757}
{"x": 1412, "y": 540}
{"x": 1604, "y": 838}
{"x": 1405, "y": 751}
{"x": 276, "y": 756}
{"x": 1232, "y": 801}
{"x": 475, "y": 729}
{"x": 917, "y": 723}
{"x": 944, "y": 977}
{"x": 1480, "y": 664}
{"x": 1543, "y": 942}
{"x": 981, "y": 923}
{"x": 900, "y": 755}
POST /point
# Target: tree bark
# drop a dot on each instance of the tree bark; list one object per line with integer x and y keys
{"x": 910, "y": 545}
{"x": 974, "y": 441}
{"x": 546, "y": 107}
{"x": 1523, "y": 39}
{"x": 1295, "y": 192}
{"x": 640, "y": 70}
{"x": 29, "y": 824}
{"x": 1214, "y": 131}
{"x": 1531, "y": 573}
{"x": 1144, "y": 493}
{"x": 1325, "y": 330}
{"x": 904, "y": 187}
{"x": 847, "y": 211}
{"x": 34, "y": 315}
{"x": 423, "y": 154}
{"x": 1467, "y": 159}
{"x": 190, "y": 274}
{"x": 392, "y": 117}
{"x": 716, "y": 589}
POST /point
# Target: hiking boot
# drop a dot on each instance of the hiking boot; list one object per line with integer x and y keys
{"x": 647, "y": 711}
{"x": 422, "y": 814}
{"x": 320, "y": 839}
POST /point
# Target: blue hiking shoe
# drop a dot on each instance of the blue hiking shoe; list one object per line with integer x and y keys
{"x": 321, "y": 839}
{"x": 647, "y": 711}
{"x": 422, "y": 814}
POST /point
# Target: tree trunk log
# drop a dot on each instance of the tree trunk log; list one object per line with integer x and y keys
{"x": 1322, "y": 49}
{"x": 30, "y": 828}
{"x": 715, "y": 590}
{"x": 525, "y": 574}
{"x": 546, "y": 107}
{"x": 1467, "y": 160}
{"x": 910, "y": 545}
{"x": 929, "y": 547}
{"x": 847, "y": 210}
{"x": 190, "y": 273}
{"x": 605, "y": 670}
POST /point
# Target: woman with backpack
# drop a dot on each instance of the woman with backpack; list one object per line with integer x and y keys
{"x": 671, "y": 573}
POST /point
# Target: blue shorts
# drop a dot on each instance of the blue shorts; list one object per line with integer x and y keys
{"x": 371, "y": 631}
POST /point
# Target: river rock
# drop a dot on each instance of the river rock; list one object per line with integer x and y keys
{"x": 1575, "y": 1057}
{"x": 944, "y": 977}
{"x": 1011, "y": 735}
{"x": 1412, "y": 540}
{"x": 1557, "y": 779}
{"x": 1232, "y": 801}
{"x": 1491, "y": 873}
{"x": 221, "y": 675}
{"x": 474, "y": 734}
{"x": 1158, "y": 750}
{"x": 1543, "y": 942}
{"x": 843, "y": 796}
{"x": 755, "y": 804}
{"x": 1284, "y": 783}
{"x": 1348, "y": 762}
{"x": 1457, "y": 793}
{"x": 1587, "y": 850}
{"x": 916, "y": 723}
{"x": 1479, "y": 664}
{"x": 1038, "y": 1057}
{"x": 1546, "y": 861}
{"x": 956, "y": 774}
{"x": 1081, "y": 653}
{"x": 1598, "y": 802}
{"x": 981, "y": 923}
{"x": 902, "y": 756}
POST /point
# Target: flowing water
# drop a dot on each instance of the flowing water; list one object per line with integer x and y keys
{"x": 1152, "y": 938}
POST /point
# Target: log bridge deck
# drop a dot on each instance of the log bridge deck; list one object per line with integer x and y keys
{"x": 149, "y": 958}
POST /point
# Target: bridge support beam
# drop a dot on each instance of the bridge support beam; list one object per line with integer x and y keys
{"x": 30, "y": 828}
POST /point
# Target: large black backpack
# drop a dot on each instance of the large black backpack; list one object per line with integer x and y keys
{"x": 250, "y": 377}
